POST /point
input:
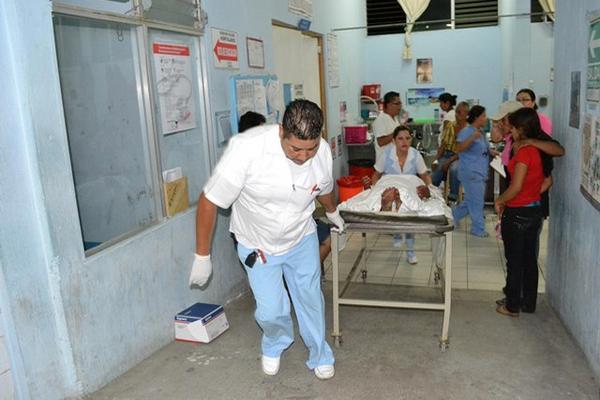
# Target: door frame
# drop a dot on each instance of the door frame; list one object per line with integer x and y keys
{"x": 322, "y": 85}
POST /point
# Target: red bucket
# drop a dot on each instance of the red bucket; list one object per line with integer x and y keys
{"x": 361, "y": 167}
{"x": 349, "y": 186}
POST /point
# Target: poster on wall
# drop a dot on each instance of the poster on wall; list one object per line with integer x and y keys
{"x": 225, "y": 49}
{"x": 343, "y": 111}
{"x": 423, "y": 105}
{"x": 333, "y": 64}
{"x": 590, "y": 159}
{"x": 256, "y": 52}
{"x": 575, "y": 99}
{"x": 590, "y": 150}
{"x": 424, "y": 70}
{"x": 339, "y": 145}
{"x": 174, "y": 87}
{"x": 333, "y": 145}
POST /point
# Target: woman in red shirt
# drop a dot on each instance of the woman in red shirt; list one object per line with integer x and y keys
{"x": 519, "y": 208}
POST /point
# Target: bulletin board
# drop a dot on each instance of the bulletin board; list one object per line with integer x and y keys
{"x": 258, "y": 93}
{"x": 590, "y": 143}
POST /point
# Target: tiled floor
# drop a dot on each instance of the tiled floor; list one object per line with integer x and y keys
{"x": 477, "y": 263}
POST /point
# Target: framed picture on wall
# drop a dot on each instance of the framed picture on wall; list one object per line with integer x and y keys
{"x": 424, "y": 70}
{"x": 256, "y": 52}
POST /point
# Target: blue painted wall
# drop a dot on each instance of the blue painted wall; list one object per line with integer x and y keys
{"x": 474, "y": 63}
{"x": 573, "y": 269}
{"x": 75, "y": 323}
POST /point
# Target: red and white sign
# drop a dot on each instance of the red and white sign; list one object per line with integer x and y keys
{"x": 225, "y": 49}
{"x": 170, "y": 49}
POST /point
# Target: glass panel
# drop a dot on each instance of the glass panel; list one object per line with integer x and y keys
{"x": 175, "y": 74}
{"x": 179, "y": 12}
{"x": 100, "y": 81}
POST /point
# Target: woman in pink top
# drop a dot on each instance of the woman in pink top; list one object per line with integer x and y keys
{"x": 527, "y": 98}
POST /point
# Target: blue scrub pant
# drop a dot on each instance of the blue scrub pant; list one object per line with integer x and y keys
{"x": 473, "y": 202}
{"x": 300, "y": 267}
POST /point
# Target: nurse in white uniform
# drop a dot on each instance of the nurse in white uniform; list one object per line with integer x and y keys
{"x": 402, "y": 159}
{"x": 271, "y": 176}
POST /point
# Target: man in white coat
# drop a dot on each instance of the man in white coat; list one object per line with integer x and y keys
{"x": 385, "y": 123}
{"x": 271, "y": 176}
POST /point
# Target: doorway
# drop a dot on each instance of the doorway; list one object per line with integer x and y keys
{"x": 298, "y": 64}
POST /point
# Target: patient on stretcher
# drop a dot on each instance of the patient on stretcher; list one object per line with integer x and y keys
{"x": 402, "y": 194}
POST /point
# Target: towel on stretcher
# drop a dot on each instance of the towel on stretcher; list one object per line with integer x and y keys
{"x": 369, "y": 201}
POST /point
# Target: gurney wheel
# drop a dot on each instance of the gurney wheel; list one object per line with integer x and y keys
{"x": 337, "y": 341}
{"x": 363, "y": 275}
{"x": 444, "y": 345}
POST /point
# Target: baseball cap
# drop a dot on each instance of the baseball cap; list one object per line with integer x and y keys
{"x": 506, "y": 108}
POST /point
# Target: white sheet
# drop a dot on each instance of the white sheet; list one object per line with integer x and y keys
{"x": 370, "y": 199}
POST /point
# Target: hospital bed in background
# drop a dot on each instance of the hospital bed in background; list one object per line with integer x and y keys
{"x": 439, "y": 228}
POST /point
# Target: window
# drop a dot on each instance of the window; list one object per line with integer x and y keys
{"x": 537, "y": 12}
{"x": 389, "y": 12}
{"x": 468, "y": 14}
{"x": 475, "y": 13}
{"x": 117, "y": 140}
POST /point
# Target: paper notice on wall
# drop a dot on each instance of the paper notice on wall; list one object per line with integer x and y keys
{"x": 274, "y": 101}
{"x": 251, "y": 96}
{"x": 174, "y": 87}
{"x": 590, "y": 159}
{"x": 301, "y": 7}
{"x": 333, "y": 64}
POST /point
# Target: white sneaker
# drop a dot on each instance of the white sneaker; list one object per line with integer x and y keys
{"x": 325, "y": 371}
{"x": 411, "y": 257}
{"x": 270, "y": 365}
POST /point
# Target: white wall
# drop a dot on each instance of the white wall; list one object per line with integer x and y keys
{"x": 573, "y": 269}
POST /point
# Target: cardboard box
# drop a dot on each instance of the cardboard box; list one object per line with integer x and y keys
{"x": 200, "y": 323}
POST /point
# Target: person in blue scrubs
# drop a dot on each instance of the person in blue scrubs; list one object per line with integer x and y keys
{"x": 402, "y": 159}
{"x": 474, "y": 156}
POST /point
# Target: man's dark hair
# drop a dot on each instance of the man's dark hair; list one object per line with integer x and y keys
{"x": 389, "y": 97}
{"x": 474, "y": 113}
{"x": 250, "y": 120}
{"x": 303, "y": 119}
{"x": 448, "y": 98}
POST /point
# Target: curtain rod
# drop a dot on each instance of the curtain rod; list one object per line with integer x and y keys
{"x": 437, "y": 21}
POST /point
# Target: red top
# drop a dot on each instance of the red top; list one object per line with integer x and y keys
{"x": 532, "y": 184}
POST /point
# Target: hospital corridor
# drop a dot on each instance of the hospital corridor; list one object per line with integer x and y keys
{"x": 300, "y": 199}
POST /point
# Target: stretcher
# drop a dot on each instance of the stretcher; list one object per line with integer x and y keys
{"x": 439, "y": 228}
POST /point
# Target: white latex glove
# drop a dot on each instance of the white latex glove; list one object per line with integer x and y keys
{"x": 201, "y": 270}
{"x": 336, "y": 219}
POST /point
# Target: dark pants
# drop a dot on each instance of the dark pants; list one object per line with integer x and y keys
{"x": 520, "y": 227}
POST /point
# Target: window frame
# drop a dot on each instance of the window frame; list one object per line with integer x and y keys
{"x": 147, "y": 103}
